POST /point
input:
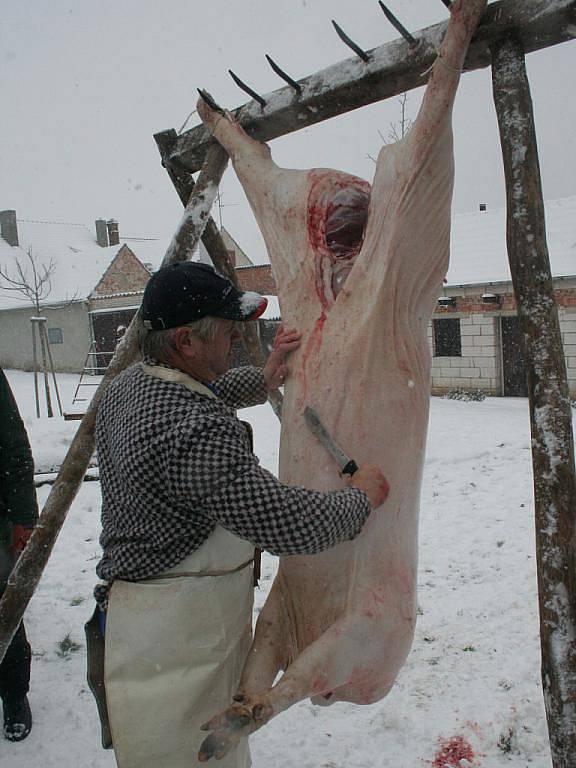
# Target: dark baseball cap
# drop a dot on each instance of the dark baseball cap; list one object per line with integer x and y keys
{"x": 187, "y": 291}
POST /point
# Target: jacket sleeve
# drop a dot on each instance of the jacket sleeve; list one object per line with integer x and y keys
{"x": 242, "y": 387}
{"x": 216, "y": 468}
{"x": 17, "y": 492}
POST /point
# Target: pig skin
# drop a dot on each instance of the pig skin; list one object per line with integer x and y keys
{"x": 341, "y": 623}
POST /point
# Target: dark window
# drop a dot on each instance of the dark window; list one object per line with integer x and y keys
{"x": 55, "y": 336}
{"x": 447, "y": 340}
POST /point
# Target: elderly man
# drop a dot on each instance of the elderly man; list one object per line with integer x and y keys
{"x": 184, "y": 503}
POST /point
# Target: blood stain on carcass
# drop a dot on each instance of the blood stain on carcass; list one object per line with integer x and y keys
{"x": 454, "y": 753}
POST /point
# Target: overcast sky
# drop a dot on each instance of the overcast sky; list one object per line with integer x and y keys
{"x": 84, "y": 85}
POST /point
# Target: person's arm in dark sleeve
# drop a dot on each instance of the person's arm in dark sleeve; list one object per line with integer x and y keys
{"x": 16, "y": 463}
{"x": 242, "y": 387}
{"x": 216, "y": 468}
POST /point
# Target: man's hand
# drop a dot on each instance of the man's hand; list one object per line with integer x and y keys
{"x": 275, "y": 371}
{"x": 369, "y": 478}
{"x": 20, "y": 536}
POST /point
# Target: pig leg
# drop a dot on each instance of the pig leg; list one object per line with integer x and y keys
{"x": 252, "y": 154}
{"x": 319, "y": 669}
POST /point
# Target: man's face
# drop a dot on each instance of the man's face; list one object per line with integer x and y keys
{"x": 218, "y": 352}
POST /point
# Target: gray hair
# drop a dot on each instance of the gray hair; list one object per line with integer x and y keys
{"x": 159, "y": 345}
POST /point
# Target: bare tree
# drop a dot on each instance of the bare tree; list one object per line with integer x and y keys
{"x": 398, "y": 130}
{"x": 33, "y": 280}
{"x": 401, "y": 128}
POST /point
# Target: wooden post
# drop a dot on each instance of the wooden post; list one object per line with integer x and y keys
{"x": 35, "y": 359}
{"x": 550, "y": 413}
{"x": 183, "y": 182}
{"x": 28, "y": 571}
{"x": 51, "y": 363}
{"x": 41, "y": 321}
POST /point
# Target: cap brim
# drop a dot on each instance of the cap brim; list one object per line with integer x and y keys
{"x": 247, "y": 306}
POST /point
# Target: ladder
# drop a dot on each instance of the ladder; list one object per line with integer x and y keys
{"x": 91, "y": 369}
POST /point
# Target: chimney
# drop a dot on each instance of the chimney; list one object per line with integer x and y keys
{"x": 101, "y": 233}
{"x": 482, "y": 207}
{"x": 113, "y": 234}
{"x": 9, "y": 227}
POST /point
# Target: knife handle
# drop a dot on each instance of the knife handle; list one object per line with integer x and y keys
{"x": 350, "y": 468}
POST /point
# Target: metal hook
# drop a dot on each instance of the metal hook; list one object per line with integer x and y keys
{"x": 397, "y": 25}
{"x": 205, "y": 96}
{"x": 350, "y": 43}
{"x": 247, "y": 89}
{"x": 280, "y": 72}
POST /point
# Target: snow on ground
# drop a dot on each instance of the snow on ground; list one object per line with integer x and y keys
{"x": 469, "y": 694}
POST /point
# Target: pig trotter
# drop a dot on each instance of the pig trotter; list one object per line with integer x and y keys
{"x": 244, "y": 717}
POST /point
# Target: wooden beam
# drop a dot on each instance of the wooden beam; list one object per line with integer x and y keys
{"x": 212, "y": 239}
{"x": 392, "y": 69}
{"x": 550, "y": 411}
{"x": 28, "y": 571}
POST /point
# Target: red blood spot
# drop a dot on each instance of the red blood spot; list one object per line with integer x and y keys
{"x": 452, "y": 751}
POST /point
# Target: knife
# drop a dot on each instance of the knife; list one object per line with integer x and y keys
{"x": 347, "y": 465}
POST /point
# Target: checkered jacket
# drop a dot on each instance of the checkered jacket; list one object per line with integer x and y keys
{"x": 174, "y": 463}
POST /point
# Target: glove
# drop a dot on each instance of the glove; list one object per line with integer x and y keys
{"x": 20, "y": 536}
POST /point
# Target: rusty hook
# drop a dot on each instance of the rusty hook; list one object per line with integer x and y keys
{"x": 349, "y": 42}
{"x": 247, "y": 89}
{"x": 397, "y": 25}
{"x": 280, "y": 72}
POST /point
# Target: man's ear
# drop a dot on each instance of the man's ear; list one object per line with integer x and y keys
{"x": 186, "y": 342}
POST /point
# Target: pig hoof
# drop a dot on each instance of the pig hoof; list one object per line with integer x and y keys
{"x": 241, "y": 719}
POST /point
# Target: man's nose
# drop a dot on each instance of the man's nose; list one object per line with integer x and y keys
{"x": 236, "y": 333}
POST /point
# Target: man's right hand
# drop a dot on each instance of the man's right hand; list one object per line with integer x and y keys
{"x": 369, "y": 478}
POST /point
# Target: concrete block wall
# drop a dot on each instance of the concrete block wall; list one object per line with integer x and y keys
{"x": 567, "y": 316}
{"x": 479, "y": 365}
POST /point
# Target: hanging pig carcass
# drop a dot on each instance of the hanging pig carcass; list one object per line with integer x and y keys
{"x": 359, "y": 270}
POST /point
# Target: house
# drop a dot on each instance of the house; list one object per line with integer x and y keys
{"x": 96, "y": 287}
{"x": 475, "y": 334}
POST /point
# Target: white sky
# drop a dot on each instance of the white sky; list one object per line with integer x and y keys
{"x": 84, "y": 84}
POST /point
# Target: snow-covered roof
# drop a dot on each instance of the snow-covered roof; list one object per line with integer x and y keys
{"x": 479, "y": 252}
{"x": 79, "y": 261}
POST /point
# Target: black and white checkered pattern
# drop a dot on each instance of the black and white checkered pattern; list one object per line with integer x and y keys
{"x": 174, "y": 463}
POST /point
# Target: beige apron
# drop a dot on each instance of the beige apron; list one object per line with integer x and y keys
{"x": 175, "y": 647}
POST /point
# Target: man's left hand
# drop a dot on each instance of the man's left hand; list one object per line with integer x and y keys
{"x": 276, "y": 371}
{"x": 20, "y": 537}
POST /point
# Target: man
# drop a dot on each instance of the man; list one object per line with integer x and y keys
{"x": 184, "y": 503}
{"x": 18, "y": 515}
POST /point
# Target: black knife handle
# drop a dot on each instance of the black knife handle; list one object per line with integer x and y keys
{"x": 350, "y": 468}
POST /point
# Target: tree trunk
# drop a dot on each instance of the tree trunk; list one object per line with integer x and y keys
{"x": 52, "y": 371}
{"x": 35, "y": 362}
{"x": 28, "y": 571}
{"x": 42, "y": 337}
{"x": 550, "y": 412}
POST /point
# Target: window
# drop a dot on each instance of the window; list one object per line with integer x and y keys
{"x": 55, "y": 336}
{"x": 447, "y": 339}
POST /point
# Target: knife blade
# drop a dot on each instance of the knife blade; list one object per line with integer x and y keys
{"x": 347, "y": 465}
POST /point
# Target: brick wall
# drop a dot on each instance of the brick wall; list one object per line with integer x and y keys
{"x": 258, "y": 278}
{"x": 125, "y": 274}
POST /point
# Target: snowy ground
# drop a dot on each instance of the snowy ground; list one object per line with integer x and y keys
{"x": 469, "y": 694}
